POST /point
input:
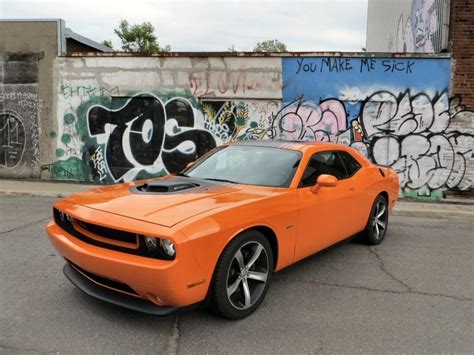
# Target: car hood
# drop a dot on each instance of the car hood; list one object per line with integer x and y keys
{"x": 168, "y": 209}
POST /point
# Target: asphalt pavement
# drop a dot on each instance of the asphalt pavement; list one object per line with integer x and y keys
{"x": 413, "y": 293}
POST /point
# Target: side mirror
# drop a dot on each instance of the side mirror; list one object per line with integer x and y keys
{"x": 324, "y": 181}
{"x": 188, "y": 165}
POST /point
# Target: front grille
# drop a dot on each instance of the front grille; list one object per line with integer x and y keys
{"x": 109, "y": 233}
{"x": 103, "y": 281}
{"x": 94, "y": 232}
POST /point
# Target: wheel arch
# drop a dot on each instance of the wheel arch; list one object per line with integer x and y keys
{"x": 385, "y": 195}
{"x": 267, "y": 231}
{"x": 271, "y": 236}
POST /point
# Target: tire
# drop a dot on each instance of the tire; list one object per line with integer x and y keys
{"x": 242, "y": 276}
{"x": 377, "y": 223}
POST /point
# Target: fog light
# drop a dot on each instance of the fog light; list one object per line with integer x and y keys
{"x": 168, "y": 247}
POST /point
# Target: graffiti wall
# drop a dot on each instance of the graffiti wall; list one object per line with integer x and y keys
{"x": 116, "y": 124}
{"x": 19, "y": 107}
{"x": 397, "y": 111}
{"x": 114, "y": 139}
{"x": 122, "y": 127}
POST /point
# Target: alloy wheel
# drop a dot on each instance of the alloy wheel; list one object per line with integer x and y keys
{"x": 247, "y": 275}
{"x": 379, "y": 219}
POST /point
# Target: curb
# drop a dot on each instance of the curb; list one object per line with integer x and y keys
{"x": 429, "y": 213}
{"x": 448, "y": 201}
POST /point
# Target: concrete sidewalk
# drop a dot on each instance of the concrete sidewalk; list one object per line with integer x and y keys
{"x": 443, "y": 209}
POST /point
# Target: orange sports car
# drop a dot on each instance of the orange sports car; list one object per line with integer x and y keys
{"x": 217, "y": 231}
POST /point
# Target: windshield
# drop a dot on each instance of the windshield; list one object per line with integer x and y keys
{"x": 251, "y": 165}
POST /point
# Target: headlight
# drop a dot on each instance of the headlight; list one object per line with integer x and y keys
{"x": 159, "y": 247}
{"x": 65, "y": 218}
{"x": 62, "y": 218}
{"x": 168, "y": 247}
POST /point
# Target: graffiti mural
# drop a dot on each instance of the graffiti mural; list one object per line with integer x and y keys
{"x": 306, "y": 120}
{"x": 420, "y": 32}
{"x": 12, "y": 133}
{"x": 239, "y": 120}
{"x": 395, "y": 111}
{"x": 114, "y": 139}
{"x": 413, "y": 135}
{"x": 19, "y": 107}
{"x": 146, "y": 129}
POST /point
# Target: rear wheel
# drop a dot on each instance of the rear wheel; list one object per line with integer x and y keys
{"x": 377, "y": 224}
{"x": 242, "y": 276}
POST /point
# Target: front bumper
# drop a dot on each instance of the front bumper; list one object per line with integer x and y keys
{"x": 161, "y": 283}
{"x": 102, "y": 293}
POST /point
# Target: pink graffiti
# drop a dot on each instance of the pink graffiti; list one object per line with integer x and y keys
{"x": 204, "y": 84}
{"x": 305, "y": 120}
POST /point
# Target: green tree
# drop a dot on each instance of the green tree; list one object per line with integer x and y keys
{"x": 139, "y": 38}
{"x": 272, "y": 45}
{"x": 107, "y": 43}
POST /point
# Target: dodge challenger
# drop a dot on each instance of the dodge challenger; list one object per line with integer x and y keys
{"x": 216, "y": 232}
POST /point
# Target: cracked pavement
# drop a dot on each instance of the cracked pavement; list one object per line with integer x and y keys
{"x": 413, "y": 293}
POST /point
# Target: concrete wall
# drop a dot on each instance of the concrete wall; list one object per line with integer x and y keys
{"x": 419, "y": 26}
{"x": 124, "y": 118}
{"x": 40, "y": 37}
{"x": 19, "y": 134}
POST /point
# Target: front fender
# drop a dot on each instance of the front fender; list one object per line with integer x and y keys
{"x": 209, "y": 235}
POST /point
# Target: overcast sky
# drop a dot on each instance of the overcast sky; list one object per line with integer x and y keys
{"x": 203, "y": 25}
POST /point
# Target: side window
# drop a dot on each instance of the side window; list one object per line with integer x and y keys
{"x": 350, "y": 163}
{"x": 323, "y": 163}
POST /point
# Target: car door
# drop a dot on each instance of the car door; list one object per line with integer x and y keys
{"x": 358, "y": 210}
{"x": 326, "y": 217}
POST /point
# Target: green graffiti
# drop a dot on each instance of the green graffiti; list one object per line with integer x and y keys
{"x": 81, "y": 122}
{"x": 66, "y": 138}
{"x": 71, "y": 169}
{"x": 60, "y": 152}
{"x": 86, "y": 160}
{"x": 419, "y": 194}
{"x": 143, "y": 174}
{"x": 52, "y": 134}
{"x": 68, "y": 118}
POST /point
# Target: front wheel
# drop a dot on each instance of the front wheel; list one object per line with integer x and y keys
{"x": 242, "y": 276}
{"x": 377, "y": 223}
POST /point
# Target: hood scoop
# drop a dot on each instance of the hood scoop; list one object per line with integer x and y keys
{"x": 164, "y": 187}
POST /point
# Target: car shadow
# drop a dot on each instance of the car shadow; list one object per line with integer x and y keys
{"x": 99, "y": 308}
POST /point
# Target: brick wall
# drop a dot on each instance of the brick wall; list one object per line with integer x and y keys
{"x": 461, "y": 35}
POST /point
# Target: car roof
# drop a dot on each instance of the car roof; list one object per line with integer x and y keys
{"x": 286, "y": 144}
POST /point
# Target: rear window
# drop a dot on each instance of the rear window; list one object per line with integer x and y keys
{"x": 351, "y": 164}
